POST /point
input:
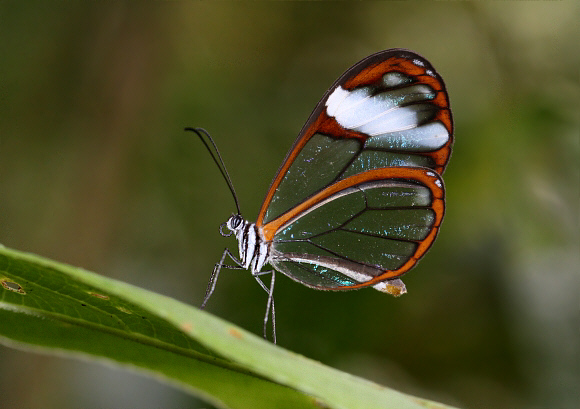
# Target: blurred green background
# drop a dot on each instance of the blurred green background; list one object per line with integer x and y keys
{"x": 96, "y": 171}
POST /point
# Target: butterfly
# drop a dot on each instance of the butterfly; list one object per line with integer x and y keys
{"x": 359, "y": 198}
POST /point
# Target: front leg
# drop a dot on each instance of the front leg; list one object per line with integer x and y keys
{"x": 216, "y": 272}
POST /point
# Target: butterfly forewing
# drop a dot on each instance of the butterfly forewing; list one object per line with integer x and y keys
{"x": 389, "y": 110}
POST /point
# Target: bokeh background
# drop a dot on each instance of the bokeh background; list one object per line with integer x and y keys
{"x": 96, "y": 171}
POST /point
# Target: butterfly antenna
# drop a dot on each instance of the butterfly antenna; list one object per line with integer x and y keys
{"x": 217, "y": 158}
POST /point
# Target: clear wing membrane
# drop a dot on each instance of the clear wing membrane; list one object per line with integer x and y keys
{"x": 390, "y": 110}
{"x": 358, "y": 199}
{"x": 359, "y": 233}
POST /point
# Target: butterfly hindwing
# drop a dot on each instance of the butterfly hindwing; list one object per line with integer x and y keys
{"x": 360, "y": 231}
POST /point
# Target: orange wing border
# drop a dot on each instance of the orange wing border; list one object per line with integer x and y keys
{"x": 424, "y": 176}
{"x": 366, "y": 72}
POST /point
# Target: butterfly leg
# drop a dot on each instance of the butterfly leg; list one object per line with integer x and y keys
{"x": 216, "y": 272}
{"x": 270, "y": 309}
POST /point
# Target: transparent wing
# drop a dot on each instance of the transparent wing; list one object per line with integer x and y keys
{"x": 389, "y": 110}
{"x": 361, "y": 231}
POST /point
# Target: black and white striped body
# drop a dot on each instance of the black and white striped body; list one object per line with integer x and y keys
{"x": 254, "y": 254}
{"x": 254, "y": 250}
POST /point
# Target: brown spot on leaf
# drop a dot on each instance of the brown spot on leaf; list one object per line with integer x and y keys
{"x": 101, "y": 296}
{"x": 12, "y": 286}
{"x": 186, "y": 326}
{"x": 235, "y": 333}
{"x": 125, "y": 310}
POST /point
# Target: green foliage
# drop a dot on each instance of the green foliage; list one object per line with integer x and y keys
{"x": 59, "y": 308}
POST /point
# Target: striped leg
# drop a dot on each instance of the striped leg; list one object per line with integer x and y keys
{"x": 270, "y": 309}
{"x": 216, "y": 272}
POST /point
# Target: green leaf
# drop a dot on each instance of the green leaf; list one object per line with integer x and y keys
{"x": 58, "y": 308}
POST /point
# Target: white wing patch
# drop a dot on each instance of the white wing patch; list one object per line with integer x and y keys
{"x": 382, "y": 117}
{"x": 431, "y": 136}
{"x": 345, "y": 100}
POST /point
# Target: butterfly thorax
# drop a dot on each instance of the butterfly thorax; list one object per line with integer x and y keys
{"x": 254, "y": 250}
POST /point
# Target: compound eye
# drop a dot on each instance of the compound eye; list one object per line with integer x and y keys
{"x": 235, "y": 221}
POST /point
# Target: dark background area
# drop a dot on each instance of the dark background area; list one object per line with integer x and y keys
{"x": 96, "y": 171}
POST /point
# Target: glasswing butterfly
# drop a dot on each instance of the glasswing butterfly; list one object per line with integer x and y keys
{"x": 359, "y": 198}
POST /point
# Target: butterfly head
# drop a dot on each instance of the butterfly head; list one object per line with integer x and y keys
{"x": 234, "y": 224}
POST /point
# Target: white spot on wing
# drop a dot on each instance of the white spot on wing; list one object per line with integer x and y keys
{"x": 372, "y": 115}
{"x": 430, "y": 136}
{"x": 350, "y": 101}
{"x": 335, "y": 99}
{"x": 381, "y": 116}
{"x": 391, "y": 120}
{"x": 392, "y": 79}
